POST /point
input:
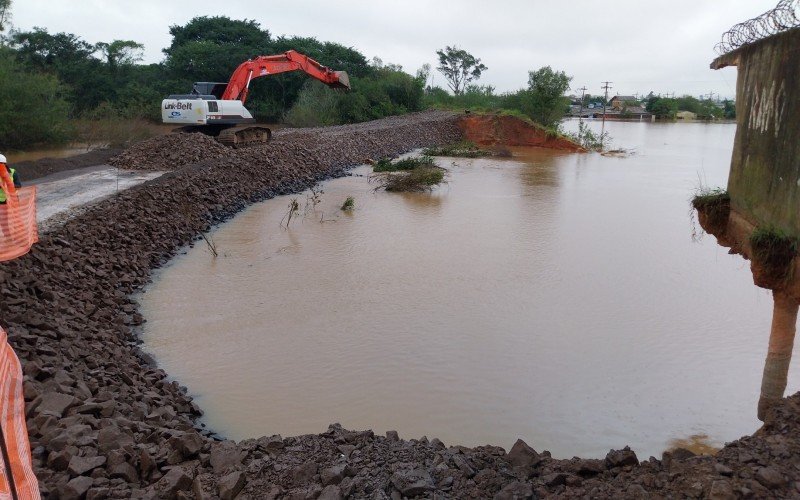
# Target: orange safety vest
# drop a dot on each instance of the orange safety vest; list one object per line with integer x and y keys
{"x": 2, "y": 191}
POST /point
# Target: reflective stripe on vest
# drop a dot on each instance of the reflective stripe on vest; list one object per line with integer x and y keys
{"x": 3, "y": 193}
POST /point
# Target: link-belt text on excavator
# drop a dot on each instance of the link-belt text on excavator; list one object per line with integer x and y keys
{"x": 178, "y": 105}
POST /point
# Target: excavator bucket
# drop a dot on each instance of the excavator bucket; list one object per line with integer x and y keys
{"x": 343, "y": 81}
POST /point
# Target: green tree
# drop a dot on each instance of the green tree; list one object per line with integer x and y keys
{"x": 120, "y": 52}
{"x": 459, "y": 67}
{"x": 5, "y": 13}
{"x": 662, "y": 107}
{"x": 385, "y": 92}
{"x": 729, "y": 109}
{"x": 34, "y": 111}
{"x": 221, "y": 31}
{"x": 544, "y": 101}
{"x": 70, "y": 59}
{"x": 40, "y": 50}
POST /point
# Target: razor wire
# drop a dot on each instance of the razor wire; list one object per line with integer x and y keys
{"x": 785, "y": 16}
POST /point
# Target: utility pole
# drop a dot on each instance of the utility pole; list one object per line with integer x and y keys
{"x": 580, "y": 113}
{"x": 606, "y": 86}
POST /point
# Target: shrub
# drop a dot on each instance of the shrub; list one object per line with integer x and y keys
{"x": 33, "y": 110}
{"x": 386, "y": 165}
{"x": 419, "y": 179}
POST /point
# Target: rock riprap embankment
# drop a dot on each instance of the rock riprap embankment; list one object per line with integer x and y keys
{"x": 170, "y": 151}
{"x": 105, "y": 423}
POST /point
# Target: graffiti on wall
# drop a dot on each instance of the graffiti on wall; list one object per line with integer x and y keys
{"x": 767, "y": 107}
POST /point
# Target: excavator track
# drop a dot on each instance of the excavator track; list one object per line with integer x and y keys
{"x": 243, "y": 136}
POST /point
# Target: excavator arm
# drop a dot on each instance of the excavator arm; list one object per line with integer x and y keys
{"x": 239, "y": 84}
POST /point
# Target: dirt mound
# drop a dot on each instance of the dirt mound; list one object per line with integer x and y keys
{"x": 170, "y": 151}
{"x": 497, "y": 129}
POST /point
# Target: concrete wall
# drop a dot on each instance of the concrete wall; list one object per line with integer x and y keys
{"x": 764, "y": 182}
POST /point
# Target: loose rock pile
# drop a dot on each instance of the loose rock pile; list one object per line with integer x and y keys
{"x": 105, "y": 423}
{"x": 170, "y": 151}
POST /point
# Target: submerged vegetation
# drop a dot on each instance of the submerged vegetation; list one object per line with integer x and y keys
{"x": 588, "y": 139}
{"x": 409, "y": 174}
{"x": 419, "y": 179}
{"x": 387, "y": 165}
{"x": 349, "y": 203}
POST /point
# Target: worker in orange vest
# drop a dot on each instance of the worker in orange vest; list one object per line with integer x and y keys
{"x": 12, "y": 173}
{"x": 14, "y": 177}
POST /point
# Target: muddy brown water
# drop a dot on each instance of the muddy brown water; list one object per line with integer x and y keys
{"x": 553, "y": 297}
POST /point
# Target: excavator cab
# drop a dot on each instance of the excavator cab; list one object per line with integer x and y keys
{"x": 209, "y": 88}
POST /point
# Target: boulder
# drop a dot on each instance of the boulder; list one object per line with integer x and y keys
{"x": 174, "y": 481}
{"x": 230, "y": 485}
{"x": 124, "y": 471}
{"x": 304, "y": 473}
{"x": 188, "y": 444}
{"x": 76, "y": 488}
{"x": 515, "y": 491}
{"x": 79, "y": 466}
{"x": 331, "y": 492}
{"x": 621, "y": 458}
{"x": 770, "y": 477}
{"x": 56, "y": 403}
{"x": 413, "y": 482}
{"x": 225, "y": 456}
{"x": 522, "y": 455}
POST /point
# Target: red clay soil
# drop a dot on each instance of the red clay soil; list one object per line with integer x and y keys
{"x": 492, "y": 129}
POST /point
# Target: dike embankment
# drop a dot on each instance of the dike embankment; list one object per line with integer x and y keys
{"x": 105, "y": 423}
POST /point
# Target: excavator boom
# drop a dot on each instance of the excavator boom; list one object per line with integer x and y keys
{"x": 221, "y": 113}
{"x": 239, "y": 83}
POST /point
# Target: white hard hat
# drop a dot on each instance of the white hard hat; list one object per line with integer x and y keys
{"x": 2, "y": 158}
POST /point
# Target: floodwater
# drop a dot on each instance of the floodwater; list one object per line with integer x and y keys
{"x": 553, "y": 297}
{"x": 54, "y": 152}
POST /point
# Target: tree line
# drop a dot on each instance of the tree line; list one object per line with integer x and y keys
{"x": 57, "y": 87}
{"x": 705, "y": 109}
{"x": 49, "y": 80}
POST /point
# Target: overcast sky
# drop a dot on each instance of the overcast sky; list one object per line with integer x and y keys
{"x": 659, "y": 45}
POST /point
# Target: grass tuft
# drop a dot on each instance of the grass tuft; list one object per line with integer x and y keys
{"x": 349, "y": 203}
{"x": 714, "y": 207}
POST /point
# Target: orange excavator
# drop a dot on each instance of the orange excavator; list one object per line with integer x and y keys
{"x": 217, "y": 109}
